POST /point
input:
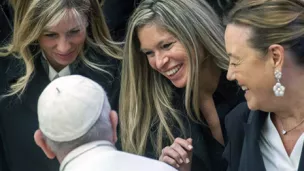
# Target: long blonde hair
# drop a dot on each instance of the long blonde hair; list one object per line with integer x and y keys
{"x": 146, "y": 96}
{"x": 272, "y": 22}
{"x": 31, "y": 18}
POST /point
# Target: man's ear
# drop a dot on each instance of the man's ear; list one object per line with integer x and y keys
{"x": 42, "y": 144}
{"x": 114, "y": 122}
{"x": 277, "y": 55}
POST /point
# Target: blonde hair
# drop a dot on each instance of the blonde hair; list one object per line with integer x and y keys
{"x": 31, "y": 18}
{"x": 272, "y": 22}
{"x": 146, "y": 96}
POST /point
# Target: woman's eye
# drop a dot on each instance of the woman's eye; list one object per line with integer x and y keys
{"x": 74, "y": 31}
{"x": 50, "y": 35}
{"x": 168, "y": 45}
{"x": 148, "y": 53}
{"x": 234, "y": 64}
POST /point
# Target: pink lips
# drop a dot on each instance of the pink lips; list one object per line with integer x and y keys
{"x": 65, "y": 56}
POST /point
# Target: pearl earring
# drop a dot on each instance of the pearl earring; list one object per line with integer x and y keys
{"x": 278, "y": 88}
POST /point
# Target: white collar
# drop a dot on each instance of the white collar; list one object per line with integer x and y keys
{"x": 274, "y": 154}
{"x": 106, "y": 145}
{"x": 53, "y": 73}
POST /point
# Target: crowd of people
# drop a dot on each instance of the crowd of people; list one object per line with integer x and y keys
{"x": 132, "y": 85}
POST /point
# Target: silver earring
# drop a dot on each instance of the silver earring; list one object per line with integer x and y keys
{"x": 278, "y": 88}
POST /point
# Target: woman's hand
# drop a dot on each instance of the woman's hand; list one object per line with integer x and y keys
{"x": 179, "y": 154}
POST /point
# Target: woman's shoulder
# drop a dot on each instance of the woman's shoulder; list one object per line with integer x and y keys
{"x": 239, "y": 113}
{"x": 11, "y": 64}
{"x": 10, "y": 70}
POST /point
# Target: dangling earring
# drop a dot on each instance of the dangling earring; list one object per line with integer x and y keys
{"x": 278, "y": 88}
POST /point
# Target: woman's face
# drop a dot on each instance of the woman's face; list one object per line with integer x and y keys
{"x": 63, "y": 42}
{"x": 253, "y": 70}
{"x": 165, "y": 53}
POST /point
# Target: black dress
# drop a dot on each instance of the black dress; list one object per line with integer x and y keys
{"x": 207, "y": 154}
{"x": 18, "y": 116}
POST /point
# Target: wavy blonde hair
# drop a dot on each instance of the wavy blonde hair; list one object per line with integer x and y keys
{"x": 146, "y": 96}
{"x": 31, "y": 18}
{"x": 272, "y": 22}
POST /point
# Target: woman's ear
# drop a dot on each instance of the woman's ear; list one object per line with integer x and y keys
{"x": 277, "y": 55}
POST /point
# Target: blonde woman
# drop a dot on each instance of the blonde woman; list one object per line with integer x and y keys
{"x": 265, "y": 42}
{"x": 173, "y": 83}
{"x": 51, "y": 39}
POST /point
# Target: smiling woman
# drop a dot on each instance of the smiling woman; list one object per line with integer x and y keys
{"x": 173, "y": 84}
{"x": 160, "y": 46}
{"x": 51, "y": 39}
{"x": 265, "y": 42}
{"x": 61, "y": 42}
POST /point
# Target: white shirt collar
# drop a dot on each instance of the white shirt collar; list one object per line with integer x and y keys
{"x": 105, "y": 145}
{"x": 53, "y": 73}
{"x": 274, "y": 154}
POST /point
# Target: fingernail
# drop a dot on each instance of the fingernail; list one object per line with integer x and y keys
{"x": 180, "y": 161}
{"x": 190, "y": 147}
{"x": 177, "y": 166}
{"x": 187, "y": 160}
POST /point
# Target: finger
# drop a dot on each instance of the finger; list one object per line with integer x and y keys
{"x": 184, "y": 143}
{"x": 170, "y": 152}
{"x": 182, "y": 152}
{"x": 190, "y": 140}
{"x": 171, "y": 161}
{"x": 190, "y": 153}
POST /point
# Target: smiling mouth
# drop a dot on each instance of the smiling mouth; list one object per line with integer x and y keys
{"x": 173, "y": 71}
{"x": 67, "y": 54}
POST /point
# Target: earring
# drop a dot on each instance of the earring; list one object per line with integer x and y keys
{"x": 278, "y": 88}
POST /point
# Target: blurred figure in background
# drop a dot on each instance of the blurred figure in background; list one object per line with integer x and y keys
{"x": 6, "y": 18}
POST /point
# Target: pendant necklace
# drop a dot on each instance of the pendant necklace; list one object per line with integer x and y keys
{"x": 284, "y": 131}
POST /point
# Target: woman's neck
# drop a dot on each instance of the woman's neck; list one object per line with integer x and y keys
{"x": 291, "y": 106}
{"x": 209, "y": 77}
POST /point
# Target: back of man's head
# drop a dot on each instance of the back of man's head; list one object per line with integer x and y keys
{"x": 73, "y": 111}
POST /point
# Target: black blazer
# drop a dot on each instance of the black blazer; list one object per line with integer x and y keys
{"x": 207, "y": 154}
{"x": 244, "y": 129}
{"x": 18, "y": 116}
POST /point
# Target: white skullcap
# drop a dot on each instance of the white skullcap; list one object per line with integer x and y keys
{"x": 69, "y": 106}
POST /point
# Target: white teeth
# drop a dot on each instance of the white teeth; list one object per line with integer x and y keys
{"x": 173, "y": 71}
{"x": 244, "y": 88}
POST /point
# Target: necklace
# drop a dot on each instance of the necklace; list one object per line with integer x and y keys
{"x": 284, "y": 131}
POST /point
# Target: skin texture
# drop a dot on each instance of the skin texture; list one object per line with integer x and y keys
{"x": 63, "y": 42}
{"x": 249, "y": 67}
{"x": 165, "y": 53}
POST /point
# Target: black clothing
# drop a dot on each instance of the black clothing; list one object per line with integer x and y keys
{"x": 18, "y": 116}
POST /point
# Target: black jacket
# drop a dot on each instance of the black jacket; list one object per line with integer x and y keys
{"x": 18, "y": 116}
{"x": 207, "y": 153}
{"x": 244, "y": 129}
